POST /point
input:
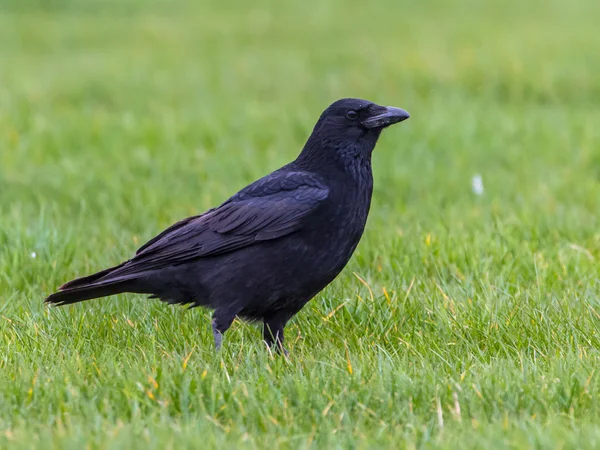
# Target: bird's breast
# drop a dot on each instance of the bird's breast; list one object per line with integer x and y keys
{"x": 341, "y": 225}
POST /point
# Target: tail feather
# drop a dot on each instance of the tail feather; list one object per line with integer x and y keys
{"x": 81, "y": 293}
{"x": 89, "y": 279}
{"x": 100, "y": 284}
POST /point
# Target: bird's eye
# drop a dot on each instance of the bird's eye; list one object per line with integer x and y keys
{"x": 351, "y": 115}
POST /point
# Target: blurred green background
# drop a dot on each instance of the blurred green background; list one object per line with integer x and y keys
{"x": 476, "y": 321}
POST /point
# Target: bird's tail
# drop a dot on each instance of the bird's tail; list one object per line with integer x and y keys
{"x": 97, "y": 285}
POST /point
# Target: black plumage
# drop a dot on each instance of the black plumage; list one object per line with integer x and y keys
{"x": 265, "y": 252}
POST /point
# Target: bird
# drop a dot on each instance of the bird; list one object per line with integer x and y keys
{"x": 273, "y": 246}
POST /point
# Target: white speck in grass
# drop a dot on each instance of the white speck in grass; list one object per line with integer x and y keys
{"x": 33, "y": 254}
{"x": 477, "y": 184}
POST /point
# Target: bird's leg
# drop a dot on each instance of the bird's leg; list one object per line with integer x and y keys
{"x": 220, "y": 324}
{"x": 273, "y": 334}
{"x": 217, "y": 335}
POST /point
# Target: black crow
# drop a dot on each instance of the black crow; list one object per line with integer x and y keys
{"x": 265, "y": 252}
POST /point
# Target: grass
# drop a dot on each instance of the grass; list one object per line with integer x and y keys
{"x": 463, "y": 321}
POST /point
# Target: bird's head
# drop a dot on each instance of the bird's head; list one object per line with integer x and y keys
{"x": 351, "y": 127}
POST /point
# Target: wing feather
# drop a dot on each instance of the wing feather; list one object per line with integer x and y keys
{"x": 270, "y": 208}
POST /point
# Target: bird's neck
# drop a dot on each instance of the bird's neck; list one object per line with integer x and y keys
{"x": 326, "y": 156}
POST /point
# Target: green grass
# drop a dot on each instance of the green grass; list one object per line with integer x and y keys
{"x": 478, "y": 321}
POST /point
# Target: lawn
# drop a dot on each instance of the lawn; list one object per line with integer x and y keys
{"x": 463, "y": 320}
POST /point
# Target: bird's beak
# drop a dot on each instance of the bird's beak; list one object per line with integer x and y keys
{"x": 389, "y": 116}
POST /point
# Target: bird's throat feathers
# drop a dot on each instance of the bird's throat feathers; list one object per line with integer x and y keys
{"x": 350, "y": 155}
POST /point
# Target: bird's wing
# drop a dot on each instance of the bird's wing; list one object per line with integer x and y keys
{"x": 270, "y": 208}
{"x": 172, "y": 229}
